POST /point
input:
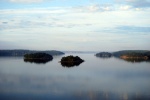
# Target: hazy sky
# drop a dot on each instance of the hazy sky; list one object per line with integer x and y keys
{"x": 91, "y": 25}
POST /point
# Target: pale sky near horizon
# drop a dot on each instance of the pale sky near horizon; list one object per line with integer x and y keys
{"x": 78, "y": 25}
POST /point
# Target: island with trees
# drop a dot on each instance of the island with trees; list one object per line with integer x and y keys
{"x": 37, "y": 57}
{"x": 103, "y": 55}
{"x": 71, "y": 61}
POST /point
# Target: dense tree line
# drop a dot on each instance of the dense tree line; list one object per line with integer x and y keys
{"x": 135, "y": 54}
{"x": 104, "y": 54}
{"x": 132, "y": 53}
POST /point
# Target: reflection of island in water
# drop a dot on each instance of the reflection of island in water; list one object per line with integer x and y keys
{"x": 37, "y": 61}
{"x": 71, "y": 61}
{"x": 70, "y": 64}
{"x": 37, "y": 58}
{"x": 135, "y": 59}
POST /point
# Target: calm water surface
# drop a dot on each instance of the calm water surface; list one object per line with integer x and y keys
{"x": 94, "y": 79}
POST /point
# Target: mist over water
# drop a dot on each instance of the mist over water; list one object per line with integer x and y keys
{"x": 94, "y": 79}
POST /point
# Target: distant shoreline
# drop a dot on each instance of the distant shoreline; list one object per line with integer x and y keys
{"x": 127, "y": 55}
{"x": 18, "y": 52}
{"x": 120, "y": 54}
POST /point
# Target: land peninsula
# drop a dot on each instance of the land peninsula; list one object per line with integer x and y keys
{"x": 128, "y": 55}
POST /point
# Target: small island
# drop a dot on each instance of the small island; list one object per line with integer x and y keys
{"x": 104, "y": 55}
{"x": 71, "y": 61}
{"x": 37, "y": 57}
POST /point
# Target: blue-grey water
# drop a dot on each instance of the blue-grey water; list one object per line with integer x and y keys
{"x": 94, "y": 79}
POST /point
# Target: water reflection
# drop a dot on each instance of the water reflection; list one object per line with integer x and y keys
{"x": 135, "y": 60}
{"x": 130, "y": 60}
{"x": 19, "y": 87}
{"x": 76, "y": 96}
{"x": 96, "y": 79}
{"x": 70, "y": 64}
{"x": 100, "y": 95}
{"x": 37, "y": 61}
{"x": 103, "y": 57}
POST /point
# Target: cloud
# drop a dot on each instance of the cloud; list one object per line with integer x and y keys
{"x": 108, "y": 7}
{"x": 64, "y": 26}
{"x": 4, "y": 22}
{"x": 134, "y": 29}
{"x": 127, "y": 29}
{"x": 139, "y": 3}
{"x": 26, "y": 1}
{"x": 125, "y": 7}
{"x": 136, "y": 3}
{"x": 34, "y": 11}
{"x": 94, "y": 8}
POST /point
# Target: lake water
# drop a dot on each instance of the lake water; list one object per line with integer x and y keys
{"x": 94, "y": 79}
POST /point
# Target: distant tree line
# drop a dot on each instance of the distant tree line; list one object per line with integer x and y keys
{"x": 132, "y": 53}
{"x": 104, "y": 54}
{"x": 23, "y": 52}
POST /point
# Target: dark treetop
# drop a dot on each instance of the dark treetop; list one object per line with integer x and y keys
{"x": 104, "y": 55}
{"x": 37, "y": 57}
{"x": 71, "y": 61}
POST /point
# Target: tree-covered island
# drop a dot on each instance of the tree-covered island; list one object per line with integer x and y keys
{"x": 37, "y": 57}
{"x": 104, "y": 55}
{"x": 71, "y": 61}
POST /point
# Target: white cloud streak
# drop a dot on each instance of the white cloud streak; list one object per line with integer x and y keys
{"x": 125, "y": 7}
{"x": 26, "y": 1}
{"x": 136, "y": 3}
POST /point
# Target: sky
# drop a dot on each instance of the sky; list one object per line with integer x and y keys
{"x": 75, "y": 25}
